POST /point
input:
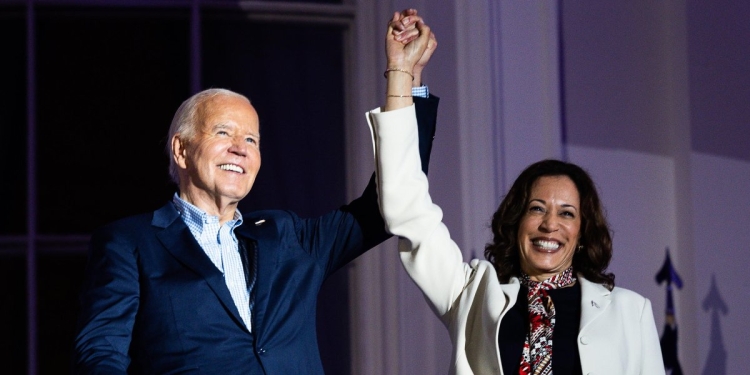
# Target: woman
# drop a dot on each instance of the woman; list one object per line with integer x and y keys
{"x": 545, "y": 275}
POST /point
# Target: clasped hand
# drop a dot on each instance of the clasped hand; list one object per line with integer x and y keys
{"x": 409, "y": 43}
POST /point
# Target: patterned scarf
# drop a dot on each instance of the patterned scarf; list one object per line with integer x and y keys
{"x": 537, "y": 350}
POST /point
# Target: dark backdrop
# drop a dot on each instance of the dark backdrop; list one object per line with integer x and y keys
{"x": 108, "y": 81}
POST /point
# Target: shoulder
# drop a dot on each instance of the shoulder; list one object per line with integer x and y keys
{"x": 485, "y": 281}
{"x": 622, "y": 299}
{"x": 484, "y": 272}
{"x": 138, "y": 226}
{"x": 128, "y": 226}
{"x": 270, "y": 223}
{"x": 484, "y": 267}
{"x": 626, "y": 294}
{"x": 122, "y": 238}
{"x": 627, "y": 297}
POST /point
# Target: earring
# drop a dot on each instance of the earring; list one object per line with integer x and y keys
{"x": 579, "y": 248}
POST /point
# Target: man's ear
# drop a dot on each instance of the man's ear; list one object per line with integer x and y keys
{"x": 179, "y": 149}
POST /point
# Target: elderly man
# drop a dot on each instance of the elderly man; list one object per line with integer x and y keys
{"x": 198, "y": 287}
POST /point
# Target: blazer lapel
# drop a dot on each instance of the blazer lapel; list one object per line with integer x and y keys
{"x": 262, "y": 238}
{"x": 178, "y": 241}
{"x": 595, "y": 299}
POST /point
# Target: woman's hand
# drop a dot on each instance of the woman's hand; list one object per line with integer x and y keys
{"x": 405, "y": 31}
{"x": 407, "y": 40}
{"x": 406, "y": 43}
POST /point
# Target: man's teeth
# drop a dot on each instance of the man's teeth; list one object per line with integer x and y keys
{"x": 547, "y": 245}
{"x": 232, "y": 167}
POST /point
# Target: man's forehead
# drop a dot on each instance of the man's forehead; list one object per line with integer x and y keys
{"x": 223, "y": 102}
{"x": 227, "y": 111}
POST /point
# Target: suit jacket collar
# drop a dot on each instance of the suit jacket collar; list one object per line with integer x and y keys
{"x": 176, "y": 238}
{"x": 595, "y": 299}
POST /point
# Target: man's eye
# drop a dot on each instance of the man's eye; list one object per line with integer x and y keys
{"x": 251, "y": 140}
{"x": 222, "y": 132}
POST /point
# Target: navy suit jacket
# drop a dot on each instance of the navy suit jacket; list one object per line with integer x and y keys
{"x": 153, "y": 303}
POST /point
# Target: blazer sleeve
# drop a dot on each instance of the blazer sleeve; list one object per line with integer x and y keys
{"x": 431, "y": 258}
{"x": 344, "y": 234}
{"x": 109, "y": 301}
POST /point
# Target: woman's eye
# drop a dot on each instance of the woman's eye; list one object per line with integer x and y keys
{"x": 536, "y": 209}
{"x": 568, "y": 214}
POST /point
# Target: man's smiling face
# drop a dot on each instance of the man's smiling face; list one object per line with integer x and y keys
{"x": 222, "y": 160}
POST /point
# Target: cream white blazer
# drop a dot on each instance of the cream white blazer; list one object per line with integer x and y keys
{"x": 617, "y": 331}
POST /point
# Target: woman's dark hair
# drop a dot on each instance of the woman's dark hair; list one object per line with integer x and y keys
{"x": 591, "y": 261}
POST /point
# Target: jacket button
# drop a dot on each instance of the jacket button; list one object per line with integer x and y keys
{"x": 584, "y": 340}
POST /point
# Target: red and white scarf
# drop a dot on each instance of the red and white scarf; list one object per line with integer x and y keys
{"x": 537, "y": 350}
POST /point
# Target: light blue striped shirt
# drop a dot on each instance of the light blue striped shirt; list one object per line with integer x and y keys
{"x": 220, "y": 244}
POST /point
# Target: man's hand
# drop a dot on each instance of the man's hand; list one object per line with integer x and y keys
{"x": 431, "y": 46}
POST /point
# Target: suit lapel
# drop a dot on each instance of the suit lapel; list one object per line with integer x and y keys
{"x": 263, "y": 237}
{"x": 179, "y": 242}
{"x": 595, "y": 299}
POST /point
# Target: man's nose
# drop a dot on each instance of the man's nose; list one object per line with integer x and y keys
{"x": 239, "y": 146}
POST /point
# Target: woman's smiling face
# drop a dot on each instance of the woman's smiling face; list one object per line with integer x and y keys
{"x": 550, "y": 227}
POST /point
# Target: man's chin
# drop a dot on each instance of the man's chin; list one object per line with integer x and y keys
{"x": 235, "y": 194}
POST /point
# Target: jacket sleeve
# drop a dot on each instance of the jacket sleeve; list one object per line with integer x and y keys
{"x": 348, "y": 232}
{"x": 426, "y": 109}
{"x": 109, "y": 301}
{"x": 429, "y": 255}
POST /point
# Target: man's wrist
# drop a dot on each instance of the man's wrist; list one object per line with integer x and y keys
{"x": 420, "y": 91}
